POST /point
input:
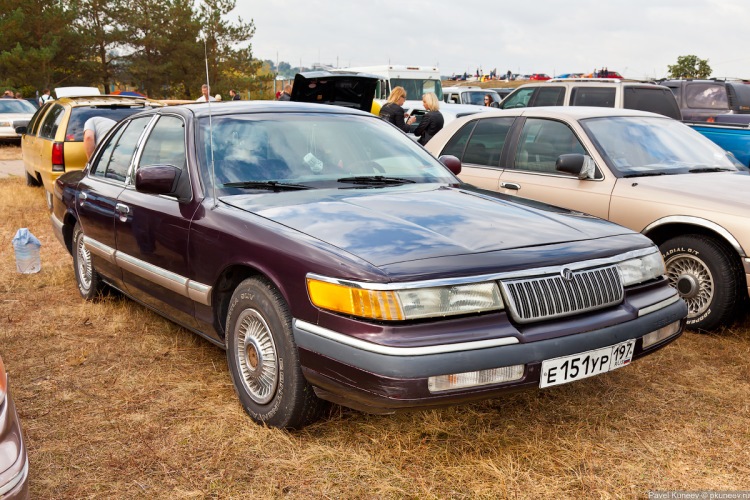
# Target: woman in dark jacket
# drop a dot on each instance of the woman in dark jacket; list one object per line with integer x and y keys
{"x": 432, "y": 122}
{"x": 393, "y": 112}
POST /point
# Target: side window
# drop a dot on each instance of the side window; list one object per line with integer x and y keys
{"x": 457, "y": 143}
{"x": 706, "y": 95}
{"x": 518, "y": 99}
{"x": 588, "y": 96}
{"x": 486, "y": 143}
{"x": 116, "y": 156}
{"x": 549, "y": 96}
{"x": 165, "y": 144}
{"x": 541, "y": 142}
{"x": 33, "y": 125}
{"x": 51, "y": 122}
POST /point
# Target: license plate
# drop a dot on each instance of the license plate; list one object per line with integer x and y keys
{"x": 586, "y": 364}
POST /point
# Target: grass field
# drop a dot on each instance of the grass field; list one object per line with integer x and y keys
{"x": 117, "y": 402}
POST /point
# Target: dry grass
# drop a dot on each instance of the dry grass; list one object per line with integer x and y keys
{"x": 117, "y": 402}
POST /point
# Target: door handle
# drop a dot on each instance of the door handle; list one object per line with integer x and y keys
{"x": 122, "y": 209}
{"x": 510, "y": 185}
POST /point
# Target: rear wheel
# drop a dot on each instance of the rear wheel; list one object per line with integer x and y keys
{"x": 703, "y": 272}
{"x": 32, "y": 181}
{"x": 263, "y": 359}
{"x": 90, "y": 284}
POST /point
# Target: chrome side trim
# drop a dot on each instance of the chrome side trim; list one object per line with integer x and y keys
{"x": 697, "y": 221}
{"x": 539, "y": 271}
{"x": 100, "y": 249}
{"x": 197, "y": 292}
{"x": 659, "y": 305}
{"x": 400, "y": 351}
{"x": 17, "y": 479}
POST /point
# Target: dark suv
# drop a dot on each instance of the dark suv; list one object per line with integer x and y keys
{"x": 701, "y": 100}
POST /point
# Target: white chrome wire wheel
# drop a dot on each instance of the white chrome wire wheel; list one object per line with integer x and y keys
{"x": 693, "y": 280}
{"x": 257, "y": 356}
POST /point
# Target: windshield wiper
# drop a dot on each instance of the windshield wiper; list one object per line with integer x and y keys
{"x": 709, "y": 169}
{"x": 647, "y": 174}
{"x": 376, "y": 180}
{"x": 270, "y": 185}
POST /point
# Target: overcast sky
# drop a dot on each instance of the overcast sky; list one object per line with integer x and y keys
{"x": 638, "y": 38}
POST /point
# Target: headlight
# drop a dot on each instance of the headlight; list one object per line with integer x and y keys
{"x": 402, "y": 304}
{"x": 641, "y": 269}
{"x": 6, "y": 124}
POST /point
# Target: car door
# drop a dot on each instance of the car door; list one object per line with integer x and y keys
{"x": 98, "y": 193}
{"x": 529, "y": 171}
{"x": 479, "y": 145}
{"x": 152, "y": 230}
{"x": 31, "y": 148}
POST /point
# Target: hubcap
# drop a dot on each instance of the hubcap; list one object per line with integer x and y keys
{"x": 256, "y": 352}
{"x": 84, "y": 264}
{"x": 693, "y": 282}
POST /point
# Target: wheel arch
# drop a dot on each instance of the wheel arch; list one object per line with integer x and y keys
{"x": 224, "y": 287}
{"x": 668, "y": 227}
{"x": 68, "y": 228}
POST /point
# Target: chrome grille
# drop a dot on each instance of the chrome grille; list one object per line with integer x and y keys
{"x": 554, "y": 296}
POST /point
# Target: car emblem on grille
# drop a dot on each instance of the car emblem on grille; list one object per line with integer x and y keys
{"x": 566, "y": 274}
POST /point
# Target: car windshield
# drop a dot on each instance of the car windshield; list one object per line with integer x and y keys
{"x": 266, "y": 152}
{"x": 636, "y": 146}
{"x": 16, "y": 106}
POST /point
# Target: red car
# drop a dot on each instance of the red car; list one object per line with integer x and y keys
{"x": 540, "y": 77}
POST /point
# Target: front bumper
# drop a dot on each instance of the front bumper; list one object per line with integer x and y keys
{"x": 381, "y": 380}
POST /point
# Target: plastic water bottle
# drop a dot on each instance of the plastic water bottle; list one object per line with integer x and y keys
{"x": 26, "y": 247}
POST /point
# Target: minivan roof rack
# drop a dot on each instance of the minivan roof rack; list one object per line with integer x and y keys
{"x": 604, "y": 80}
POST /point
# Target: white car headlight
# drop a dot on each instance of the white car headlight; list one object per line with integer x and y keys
{"x": 641, "y": 269}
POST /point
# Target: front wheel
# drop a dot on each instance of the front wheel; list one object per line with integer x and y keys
{"x": 263, "y": 359}
{"x": 90, "y": 284}
{"x": 703, "y": 272}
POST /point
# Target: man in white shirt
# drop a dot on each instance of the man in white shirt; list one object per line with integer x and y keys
{"x": 205, "y": 95}
{"x": 94, "y": 129}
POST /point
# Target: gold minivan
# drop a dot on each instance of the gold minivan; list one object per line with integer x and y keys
{"x": 52, "y": 142}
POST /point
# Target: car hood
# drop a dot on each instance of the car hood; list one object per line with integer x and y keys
{"x": 723, "y": 192}
{"x": 15, "y": 116}
{"x": 391, "y": 225}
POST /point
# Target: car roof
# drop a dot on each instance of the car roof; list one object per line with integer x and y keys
{"x": 569, "y": 112}
{"x": 202, "y": 109}
{"x": 104, "y": 100}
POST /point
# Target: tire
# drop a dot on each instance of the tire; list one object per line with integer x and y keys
{"x": 32, "y": 181}
{"x": 263, "y": 359}
{"x": 703, "y": 272}
{"x": 90, "y": 284}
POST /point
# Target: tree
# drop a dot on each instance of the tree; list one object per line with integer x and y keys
{"x": 690, "y": 67}
{"x": 40, "y": 49}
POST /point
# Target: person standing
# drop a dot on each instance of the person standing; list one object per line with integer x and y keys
{"x": 45, "y": 97}
{"x": 432, "y": 122}
{"x": 94, "y": 129}
{"x": 234, "y": 95}
{"x": 287, "y": 94}
{"x": 393, "y": 112}
{"x": 205, "y": 96}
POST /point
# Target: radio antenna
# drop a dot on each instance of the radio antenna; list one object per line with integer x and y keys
{"x": 210, "y": 123}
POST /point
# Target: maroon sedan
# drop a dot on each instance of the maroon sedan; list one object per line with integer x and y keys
{"x": 14, "y": 462}
{"x": 336, "y": 260}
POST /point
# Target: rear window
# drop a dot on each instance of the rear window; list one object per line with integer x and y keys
{"x": 588, "y": 96}
{"x": 78, "y": 117}
{"x": 739, "y": 96}
{"x": 655, "y": 100}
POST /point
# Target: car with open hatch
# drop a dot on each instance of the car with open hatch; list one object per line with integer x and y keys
{"x": 645, "y": 171}
{"x": 335, "y": 260}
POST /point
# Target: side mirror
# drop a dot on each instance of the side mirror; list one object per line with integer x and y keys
{"x": 582, "y": 166}
{"x": 21, "y": 130}
{"x": 157, "y": 179}
{"x": 453, "y": 163}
